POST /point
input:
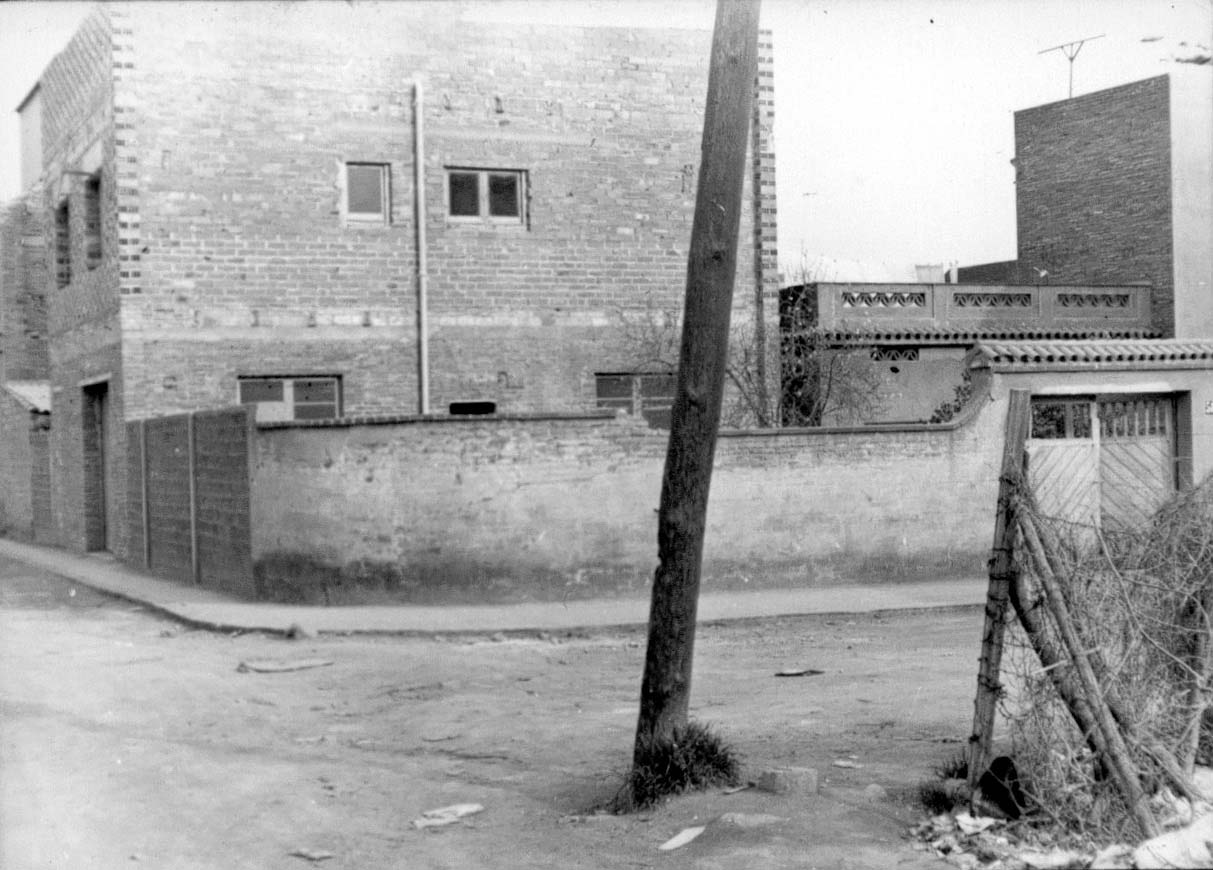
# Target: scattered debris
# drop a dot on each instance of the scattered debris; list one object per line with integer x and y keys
{"x": 446, "y": 815}
{"x": 789, "y": 780}
{"x": 311, "y": 854}
{"x": 298, "y": 631}
{"x": 736, "y": 788}
{"x": 974, "y": 825}
{"x": 1190, "y": 846}
{"x": 875, "y": 793}
{"x": 683, "y": 837}
{"x": 278, "y": 666}
{"x": 1118, "y": 856}
{"x": 798, "y": 672}
{"x": 1055, "y": 859}
{"x": 847, "y": 764}
{"x": 438, "y": 738}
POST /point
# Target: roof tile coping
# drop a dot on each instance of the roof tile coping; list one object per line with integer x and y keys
{"x": 1104, "y": 353}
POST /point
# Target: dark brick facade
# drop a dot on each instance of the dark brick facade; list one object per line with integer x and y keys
{"x": 1093, "y": 199}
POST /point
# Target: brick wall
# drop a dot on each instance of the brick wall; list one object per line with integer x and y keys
{"x": 233, "y": 127}
{"x": 512, "y": 509}
{"x": 16, "y": 502}
{"x": 23, "y": 324}
{"x": 194, "y": 506}
{"x": 1093, "y": 201}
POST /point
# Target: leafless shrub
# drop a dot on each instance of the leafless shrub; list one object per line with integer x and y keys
{"x": 1139, "y": 602}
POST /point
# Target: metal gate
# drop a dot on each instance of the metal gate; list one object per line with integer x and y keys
{"x": 1105, "y": 462}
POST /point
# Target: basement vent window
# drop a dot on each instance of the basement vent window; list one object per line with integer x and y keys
{"x": 292, "y": 398}
{"x": 472, "y": 409}
{"x": 650, "y": 395}
{"x": 486, "y": 195}
{"x": 367, "y": 193}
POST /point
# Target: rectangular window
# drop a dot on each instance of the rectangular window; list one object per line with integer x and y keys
{"x": 493, "y": 195}
{"x": 285, "y": 398}
{"x": 63, "y": 245}
{"x": 1053, "y": 418}
{"x": 649, "y": 394}
{"x": 92, "y": 222}
{"x": 367, "y": 192}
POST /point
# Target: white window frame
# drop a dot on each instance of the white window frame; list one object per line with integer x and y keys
{"x": 287, "y": 408}
{"x": 482, "y": 190}
{"x": 379, "y": 218}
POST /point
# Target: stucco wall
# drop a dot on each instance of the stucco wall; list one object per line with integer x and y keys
{"x": 548, "y": 507}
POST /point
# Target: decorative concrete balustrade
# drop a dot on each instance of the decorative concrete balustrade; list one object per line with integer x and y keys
{"x": 946, "y": 313}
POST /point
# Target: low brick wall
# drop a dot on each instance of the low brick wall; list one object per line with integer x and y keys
{"x": 551, "y": 507}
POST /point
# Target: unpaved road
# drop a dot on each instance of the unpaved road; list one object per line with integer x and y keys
{"x": 127, "y": 741}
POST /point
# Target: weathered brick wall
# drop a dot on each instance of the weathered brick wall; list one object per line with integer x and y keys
{"x": 83, "y": 316}
{"x": 1002, "y": 272}
{"x": 196, "y": 513}
{"x": 233, "y": 128}
{"x": 1093, "y": 199}
{"x": 510, "y": 509}
{"x": 23, "y": 325}
{"x": 16, "y": 501}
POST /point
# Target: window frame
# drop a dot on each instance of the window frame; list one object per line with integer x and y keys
{"x": 94, "y": 222}
{"x": 484, "y": 213}
{"x": 383, "y": 217}
{"x": 289, "y": 400}
{"x": 641, "y": 399}
{"x": 63, "y": 244}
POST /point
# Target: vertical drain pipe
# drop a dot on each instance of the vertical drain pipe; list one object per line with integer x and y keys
{"x": 423, "y": 329}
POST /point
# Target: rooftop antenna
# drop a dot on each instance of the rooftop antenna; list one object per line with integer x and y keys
{"x": 1071, "y": 50}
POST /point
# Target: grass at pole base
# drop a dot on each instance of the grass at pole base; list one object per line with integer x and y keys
{"x": 690, "y": 758}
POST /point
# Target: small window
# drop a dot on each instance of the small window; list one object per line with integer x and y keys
{"x": 367, "y": 194}
{"x": 650, "y": 395}
{"x": 92, "y": 222}
{"x": 1061, "y": 419}
{"x": 493, "y": 195}
{"x": 63, "y": 245}
{"x": 283, "y": 398}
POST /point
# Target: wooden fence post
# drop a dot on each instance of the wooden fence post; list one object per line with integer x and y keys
{"x": 1002, "y": 575}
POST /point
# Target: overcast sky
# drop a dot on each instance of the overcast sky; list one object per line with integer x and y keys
{"x": 894, "y": 128}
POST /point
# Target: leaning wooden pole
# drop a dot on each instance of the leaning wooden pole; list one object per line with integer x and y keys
{"x": 1002, "y": 576}
{"x": 711, "y": 266}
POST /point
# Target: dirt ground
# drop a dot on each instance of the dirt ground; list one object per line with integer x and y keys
{"x": 129, "y": 741}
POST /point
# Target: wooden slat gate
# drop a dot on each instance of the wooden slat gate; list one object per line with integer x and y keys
{"x": 1104, "y": 462}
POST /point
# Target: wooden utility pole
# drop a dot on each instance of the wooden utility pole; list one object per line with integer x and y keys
{"x": 711, "y": 267}
{"x": 1002, "y": 576}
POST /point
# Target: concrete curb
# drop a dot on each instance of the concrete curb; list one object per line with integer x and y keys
{"x": 204, "y": 609}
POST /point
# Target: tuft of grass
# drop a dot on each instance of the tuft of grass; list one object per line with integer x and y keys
{"x": 692, "y": 757}
{"x": 933, "y": 795}
{"x": 956, "y": 767}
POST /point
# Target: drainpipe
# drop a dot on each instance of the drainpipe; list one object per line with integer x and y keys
{"x": 423, "y": 337}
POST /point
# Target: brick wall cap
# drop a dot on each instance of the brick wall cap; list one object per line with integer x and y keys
{"x": 426, "y": 419}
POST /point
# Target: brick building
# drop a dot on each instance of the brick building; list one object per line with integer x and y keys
{"x": 1116, "y": 187}
{"x": 331, "y": 210}
{"x": 1114, "y": 206}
